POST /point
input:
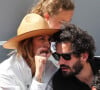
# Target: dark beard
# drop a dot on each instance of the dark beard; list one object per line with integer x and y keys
{"x": 77, "y": 69}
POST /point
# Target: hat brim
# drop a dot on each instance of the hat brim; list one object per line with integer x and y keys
{"x": 13, "y": 42}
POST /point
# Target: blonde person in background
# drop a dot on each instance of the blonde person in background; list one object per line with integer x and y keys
{"x": 55, "y": 11}
{"x": 26, "y": 66}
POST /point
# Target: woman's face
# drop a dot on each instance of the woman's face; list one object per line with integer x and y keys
{"x": 41, "y": 44}
{"x": 56, "y": 20}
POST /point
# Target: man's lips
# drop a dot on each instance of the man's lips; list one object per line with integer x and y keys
{"x": 65, "y": 69}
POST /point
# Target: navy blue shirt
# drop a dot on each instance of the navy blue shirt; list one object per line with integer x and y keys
{"x": 60, "y": 82}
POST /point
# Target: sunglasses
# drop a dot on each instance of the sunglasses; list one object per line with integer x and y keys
{"x": 66, "y": 56}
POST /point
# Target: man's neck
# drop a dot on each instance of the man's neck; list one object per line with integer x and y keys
{"x": 86, "y": 75}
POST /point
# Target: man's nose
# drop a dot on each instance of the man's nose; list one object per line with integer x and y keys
{"x": 62, "y": 60}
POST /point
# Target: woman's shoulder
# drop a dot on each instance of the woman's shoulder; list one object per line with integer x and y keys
{"x": 6, "y": 64}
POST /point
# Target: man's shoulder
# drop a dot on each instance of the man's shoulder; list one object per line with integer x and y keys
{"x": 97, "y": 62}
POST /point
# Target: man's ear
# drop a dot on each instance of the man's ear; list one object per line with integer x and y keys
{"x": 46, "y": 16}
{"x": 84, "y": 56}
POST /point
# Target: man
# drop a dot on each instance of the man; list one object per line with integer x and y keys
{"x": 75, "y": 52}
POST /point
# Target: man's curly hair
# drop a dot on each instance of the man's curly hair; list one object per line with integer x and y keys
{"x": 80, "y": 39}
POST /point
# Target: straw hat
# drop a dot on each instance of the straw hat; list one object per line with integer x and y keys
{"x": 31, "y": 25}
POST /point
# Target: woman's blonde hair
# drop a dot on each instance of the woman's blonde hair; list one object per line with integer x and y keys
{"x": 25, "y": 49}
{"x": 52, "y": 7}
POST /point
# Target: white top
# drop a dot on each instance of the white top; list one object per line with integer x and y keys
{"x": 15, "y": 74}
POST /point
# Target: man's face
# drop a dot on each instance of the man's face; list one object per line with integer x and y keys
{"x": 72, "y": 66}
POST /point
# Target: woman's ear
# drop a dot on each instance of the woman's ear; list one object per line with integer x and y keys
{"x": 46, "y": 16}
{"x": 84, "y": 56}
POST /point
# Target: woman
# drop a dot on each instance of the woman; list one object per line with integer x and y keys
{"x": 55, "y": 11}
{"x": 20, "y": 71}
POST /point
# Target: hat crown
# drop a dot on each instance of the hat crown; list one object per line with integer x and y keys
{"x": 32, "y": 22}
{"x": 32, "y": 25}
